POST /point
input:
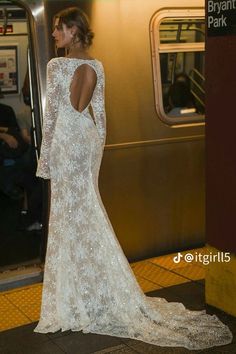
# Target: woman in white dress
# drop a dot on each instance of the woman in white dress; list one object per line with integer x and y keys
{"x": 88, "y": 282}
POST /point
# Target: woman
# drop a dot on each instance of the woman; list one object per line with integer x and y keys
{"x": 88, "y": 282}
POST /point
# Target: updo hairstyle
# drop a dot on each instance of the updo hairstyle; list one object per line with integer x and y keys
{"x": 73, "y": 16}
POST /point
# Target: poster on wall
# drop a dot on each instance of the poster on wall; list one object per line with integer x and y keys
{"x": 8, "y": 69}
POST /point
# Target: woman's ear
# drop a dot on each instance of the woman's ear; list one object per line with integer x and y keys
{"x": 74, "y": 30}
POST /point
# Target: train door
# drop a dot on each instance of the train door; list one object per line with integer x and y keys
{"x": 25, "y": 48}
{"x": 22, "y": 241}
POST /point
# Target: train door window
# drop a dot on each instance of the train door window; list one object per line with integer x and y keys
{"x": 177, "y": 43}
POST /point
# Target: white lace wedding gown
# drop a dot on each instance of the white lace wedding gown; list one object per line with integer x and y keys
{"x": 88, "y": 282}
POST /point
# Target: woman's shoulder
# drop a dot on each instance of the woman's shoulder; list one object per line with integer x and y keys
{"x": 53, "y": 63}
{"x": 99, "y": 64}
{"x": 89, "y": 59}
{"x": 57, "y": 62}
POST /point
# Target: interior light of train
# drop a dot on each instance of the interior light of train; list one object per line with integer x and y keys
{"x": 36, "y": 12}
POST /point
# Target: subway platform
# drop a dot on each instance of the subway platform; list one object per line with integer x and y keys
{"x": 160, "y": 276}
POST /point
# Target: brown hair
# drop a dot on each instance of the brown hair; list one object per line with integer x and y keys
{"x": 73, "y": 16}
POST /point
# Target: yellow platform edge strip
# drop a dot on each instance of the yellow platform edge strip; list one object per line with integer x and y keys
{"x": 21, "y": 305}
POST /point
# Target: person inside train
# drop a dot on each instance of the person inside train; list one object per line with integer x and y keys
{"x": 12, "y": 147}
{"x": 8, "y": 125}
{"x": 18, "y": 163}
{"x": 180, "y": 100}
{"x": 183, "y": 77}
{"x": 88, "y": 284}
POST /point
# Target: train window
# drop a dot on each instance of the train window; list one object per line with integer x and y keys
{"x": 182, "y": 30}
{"x": 177, "y": 40}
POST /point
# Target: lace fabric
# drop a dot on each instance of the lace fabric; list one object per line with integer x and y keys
{"x": 88, "y": 282}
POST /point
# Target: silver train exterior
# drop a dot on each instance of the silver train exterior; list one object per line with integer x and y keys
{"x": 152, "y": 174}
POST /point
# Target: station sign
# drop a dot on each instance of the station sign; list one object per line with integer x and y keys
{"x": 221, "y": 17}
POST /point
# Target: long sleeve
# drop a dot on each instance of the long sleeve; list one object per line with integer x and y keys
{"x": 98, "y": 107}
{"x": 49, "y": 118}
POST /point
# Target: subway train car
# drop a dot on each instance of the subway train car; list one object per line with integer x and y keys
{"x": 152, "y": 174}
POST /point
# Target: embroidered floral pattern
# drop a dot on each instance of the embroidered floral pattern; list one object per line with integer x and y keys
{"x": 88, "y": 282}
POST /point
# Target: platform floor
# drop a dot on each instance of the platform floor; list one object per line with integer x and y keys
{"x": 160, "y": 276}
